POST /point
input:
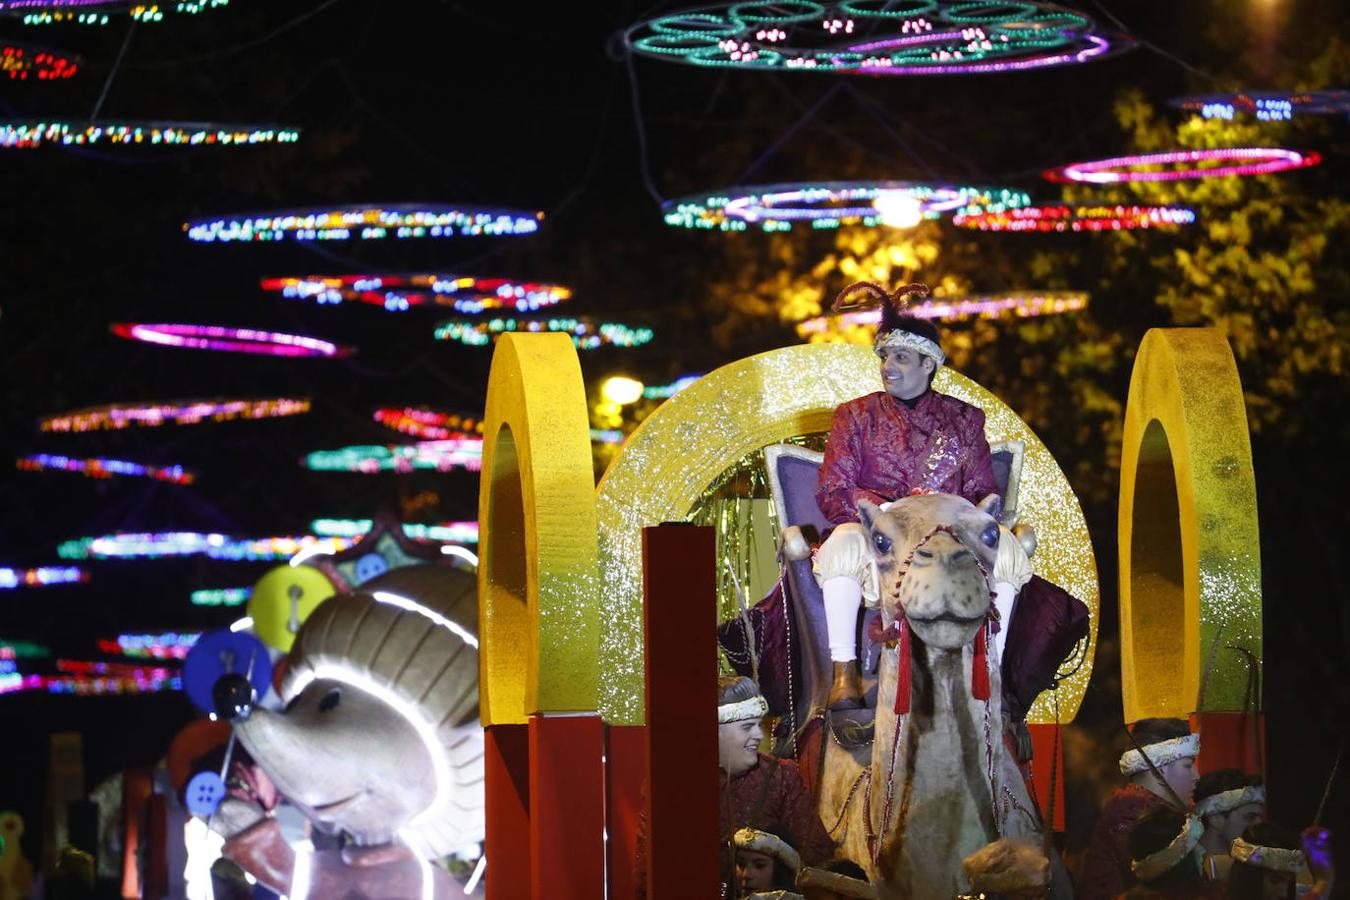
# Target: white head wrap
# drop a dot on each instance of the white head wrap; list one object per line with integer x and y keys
{"x": 1227, "y": 801}
{"x": 763, "y": 842}
{"x": 1156, "y": 864}
{"x": 898, "y": 337}
{"x": 1274, "y": 859}
{"x": 754, "y": 708}
{"x": 1132, "y": 761}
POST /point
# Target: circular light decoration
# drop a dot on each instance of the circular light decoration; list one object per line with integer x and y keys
{"x": 1215, "y": 163}
{"x": 446, "y": 532}
{"x": 20, "y": 62}
{"x": 1266, "y": 106}
{"x": 428, "y": 424}
{"x": 877, "y": 37}
{"x": 184, "y": 412}
{"x": 408, "y": 220}
{"x": 100, "y": 12}
{"x": 169, "y": 645}
{"x": 25, "y": 135}
{"x": 237, "y": 596}
{"x": 97, "y": 467}
{"x": 228, "y": 340}
{"x": 396, "y": 293}
{"x": 666, "y": 391}
{"x": 41, "y": 577}
{"x": 830, "y": 204}
{"x": 156, "y": 545}
{"x": 1019, "y": 304}
{"x": 369, "y": 459}
{"x": 1078, "y": 218}
{"x": 586, "y": 333}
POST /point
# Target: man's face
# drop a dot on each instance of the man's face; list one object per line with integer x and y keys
{"x": 754, "y": 871}
{"x": 738, "y": 745}
{"x": 1182, "y": 776}
{"x": 1230, "y": 825}
{"x": 904, "y": 372}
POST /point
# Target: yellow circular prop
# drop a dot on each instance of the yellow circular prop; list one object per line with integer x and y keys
{"x": 537, "y": 551}
{"x": 283, "y": 599}
{"x": 686, "y": 444}
{"x": 1190, "y": 565}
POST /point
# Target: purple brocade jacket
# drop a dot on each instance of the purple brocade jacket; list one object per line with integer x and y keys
{"x": 880, "y": 449}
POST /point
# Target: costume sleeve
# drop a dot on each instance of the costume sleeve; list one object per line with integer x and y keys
{"x": 837, "y": 490}
{"x": 977, "y": 472}
{"x": 1104, "y": 873}
{"x": 802, "y": 819}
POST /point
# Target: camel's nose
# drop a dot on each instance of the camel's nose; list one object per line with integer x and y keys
{"x": 944, "y": 550}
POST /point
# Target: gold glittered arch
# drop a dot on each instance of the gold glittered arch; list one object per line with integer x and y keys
{"x": 691, "y": 439}
{"x": 537, "y": 550}
{"x": 1190, "y": 565}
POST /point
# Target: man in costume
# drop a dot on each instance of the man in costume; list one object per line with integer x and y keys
{"x": 1161, "y": 773}
{"x": 1227, "y": 801}
{"x": 1166, "y": 857}
{"x": 909, "y": 439}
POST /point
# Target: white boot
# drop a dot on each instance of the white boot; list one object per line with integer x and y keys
{"x": 843, "y": 598}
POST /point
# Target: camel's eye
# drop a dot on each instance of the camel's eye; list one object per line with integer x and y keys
{"x": 330, "y": 700}
{"x": 881, "y": 542}
{"x": 990, "y": 536}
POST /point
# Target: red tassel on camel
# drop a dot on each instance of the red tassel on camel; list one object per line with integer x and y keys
{"x": 902, "y": 690}
{"x": 979, "y": 675}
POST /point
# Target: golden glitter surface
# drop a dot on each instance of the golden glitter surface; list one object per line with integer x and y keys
{"x": 537, "y": 546}
{"x": 1190, "y": 565}
{"x": 682, "y": 448}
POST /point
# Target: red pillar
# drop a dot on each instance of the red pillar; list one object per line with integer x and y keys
{"x": 625, "y": 778}
{"x": 680, "y": 613}
{"x": 1047, "y": 742}
{"x": 507, "y": 783}
{"x": 1231, "y": 740}
{"x": 567, "y": 807}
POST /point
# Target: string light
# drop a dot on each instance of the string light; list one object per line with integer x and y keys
{"x": 586, "y": 334}
{"x": 397, "y": 293}
{"x": 664, "y": 391}
{"x": 1079, "y": 218}
{"x": 228, "y": 340}
{"x": 1266, "y": 106}
{"x": 427, "y": 424}
{"x": 169, "y": 645}
{"x": 19, "y": 62}
{"x": 1018, "y": 304}
{"x": 444, "y": 533}
{"x": 831, "y": 204}
{"x": 29, "y": 134}
{"x": 621, "y": 390}
{"x": 41, "y": 577}
{"x": 23, "y": 650}
{"x": 157, "y": 545}
{"x": 606, "y": 436}
{"x": 369, "y": 459}
{"x": 185, "y": 412}
{"x": 143, "y": 681}
{"x": 221, "y": 596}
{"x": 98, "y": 467}
{"x": 914, "y": 37}
{"x": 1230, "y": 161}
{"x": 406, "y": 220}
{"x": 99, "y": 12}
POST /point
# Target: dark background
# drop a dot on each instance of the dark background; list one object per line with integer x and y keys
{"x": 519, "y": 105}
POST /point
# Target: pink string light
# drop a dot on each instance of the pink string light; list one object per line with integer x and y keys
{"x": 1232, "y": 161}
{"x": 229, "y": 340}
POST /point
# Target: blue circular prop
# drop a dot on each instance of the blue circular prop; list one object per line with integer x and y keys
{"x": 204, "y": 793}
{"x": 223, "y": 652}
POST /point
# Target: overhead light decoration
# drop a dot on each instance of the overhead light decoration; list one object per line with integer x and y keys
{"x": 876, "y": 37}
{"x": 586, "y": 333}
{"x": 45, "y": 576}
{"x": 444, "y": 533}
{"x": 397, "y": 293}
{"x": 832, "y": 204}
{"x": 621, "y": 390}
{"x": 1017, "y": 304}
{"x": 371, "y": 459}
{"x": 428, "y": 424}
{"x": 606, "y": 436}
{"x": 20, "y": 62}
{"x": 406, "y": 220}
{"x": 27, "y": 135}
{"x": 12, "y": 650}
{"x": 228, "y": 340}
{"x": 98, "y": 467}
{"x": 221, "y": 596}
{"x": 665, "y": 391}
{"x": 1265, "y": 106}
{"x": 1076, "y": 218}
{"x": 116, "y": 416}
{"x": 1175, "y": 165}
{"x": 162, "y": 544}
{"x": 168, "y": 645}
{"x": 101, "y": 12}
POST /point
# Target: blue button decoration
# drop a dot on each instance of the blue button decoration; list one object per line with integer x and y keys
{"x": 204, "y": 793}
{"x": 224, "y": 652}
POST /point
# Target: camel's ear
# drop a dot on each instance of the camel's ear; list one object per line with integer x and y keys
{"x": 992, "y": 506}
{"x": 868, "y": 513}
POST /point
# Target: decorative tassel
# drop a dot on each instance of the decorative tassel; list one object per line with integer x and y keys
{"x": 902, "y": 689}
{"x": 979, "y": 675}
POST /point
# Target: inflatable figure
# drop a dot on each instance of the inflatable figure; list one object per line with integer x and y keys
{"x": 379, "y": 744}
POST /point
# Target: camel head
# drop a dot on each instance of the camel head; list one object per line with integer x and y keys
{"x": 935, "y": 557}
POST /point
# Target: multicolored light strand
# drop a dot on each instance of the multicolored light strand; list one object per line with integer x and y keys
{"x": 185, "y": 412}
{"x": 100, "y": 12}
{"x": 1230, "y": 161}
{"x": 398, "y": 293}
{"x": 1018, "y": 304}
{"x": 875, "y": 37}
{"x": 221, "y": 596}
{"x": 606, "y": 436}
{"x": 829, "y": 204}
{"x": 23, "y": 650}
{"x": 586, "y": 334}
{"x": 427, "y": 424}
{"x": 27, "y": 135}
{"x": 228, "y": 340}
{"x": 158, "y": 545}
{"x": 444, "y": 533}
{"x": 665, "y": 391}
{"x": 169, "y": 645}
{"x": 408, "y": 220}
{"x": 1266, "y": 106}
{"x": 19, "y": 62}
{"x": 139, "y": 681}
{"x": 370, "y": 459}
{"x": 1078, "y": 218}
{"x": 41, "y": 577}
{"x": 98, "y": 467}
